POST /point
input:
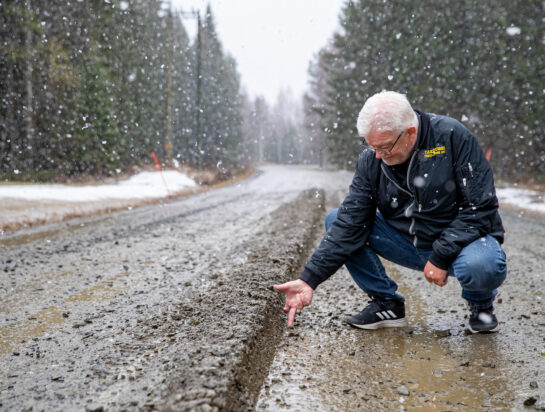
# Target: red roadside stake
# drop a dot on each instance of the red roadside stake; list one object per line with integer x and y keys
{"x": 158, "y": 165}
{"x": 488, "y": 154}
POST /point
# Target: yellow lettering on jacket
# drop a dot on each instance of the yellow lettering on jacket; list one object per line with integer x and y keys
{"x": 434, "y": 152}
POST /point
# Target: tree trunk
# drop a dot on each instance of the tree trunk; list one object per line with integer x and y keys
{"x": 28, "y": 112}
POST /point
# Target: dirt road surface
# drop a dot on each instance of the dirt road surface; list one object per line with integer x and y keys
{"x": 170, "y": 307}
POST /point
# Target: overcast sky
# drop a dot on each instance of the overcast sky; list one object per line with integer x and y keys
{"x": 271, "y": 40}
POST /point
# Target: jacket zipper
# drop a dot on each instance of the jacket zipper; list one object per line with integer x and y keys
{"x": 413, "y": 195}
{"x": 394, "y": 182}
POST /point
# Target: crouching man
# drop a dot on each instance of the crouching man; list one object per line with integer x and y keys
{"x": 422, "y": 197}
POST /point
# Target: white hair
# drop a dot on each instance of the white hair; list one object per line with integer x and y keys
{"x": 386, "y": 111}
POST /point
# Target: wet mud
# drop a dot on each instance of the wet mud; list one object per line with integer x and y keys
{"x": 435, "y": 363}
{"x": 170, "y": 307}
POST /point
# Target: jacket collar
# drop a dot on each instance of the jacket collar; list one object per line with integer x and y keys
{"x": 423, "y": 128}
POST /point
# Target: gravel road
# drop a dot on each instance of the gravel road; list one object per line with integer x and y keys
{"x": 170, "y": 307}
{"x": 434, "y": 364}
{"x": 161, "y": 307}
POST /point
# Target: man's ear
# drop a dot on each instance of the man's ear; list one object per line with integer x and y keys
{"x": 412, "y": 130}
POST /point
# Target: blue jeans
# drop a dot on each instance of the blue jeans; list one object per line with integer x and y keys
{"x": 480, "y": 267}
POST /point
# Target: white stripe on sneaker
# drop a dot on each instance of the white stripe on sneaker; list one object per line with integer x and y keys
{"x": 380, "y": 315}
{"x": 392, "y": 323}
{"x": 393, "y": 314}
{"x": 385, "y": 314}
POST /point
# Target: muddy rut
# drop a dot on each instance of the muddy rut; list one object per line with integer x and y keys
{"x": 170, "y": 307}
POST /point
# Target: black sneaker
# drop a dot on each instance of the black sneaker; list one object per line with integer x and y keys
{"x": 483, "y": 321}
{"x": 380, "y": 314}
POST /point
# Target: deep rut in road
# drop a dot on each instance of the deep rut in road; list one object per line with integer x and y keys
{"x": 128, "y": 341}
{"x": 124, "y": 313}
{"x": 250, "y": 322}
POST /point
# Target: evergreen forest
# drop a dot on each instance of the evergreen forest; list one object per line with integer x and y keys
{"x": 91, "y": 88}
{"x": 479, "y": 61}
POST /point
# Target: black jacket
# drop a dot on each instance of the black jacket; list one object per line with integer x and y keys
{"x": 449, "y": 200}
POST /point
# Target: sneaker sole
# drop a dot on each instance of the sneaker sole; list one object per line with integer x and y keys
{"x": 391, "y": 323}
{"x": 494, "y": 330}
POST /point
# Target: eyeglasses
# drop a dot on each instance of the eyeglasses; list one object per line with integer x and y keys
{"x": 388, "y": 151}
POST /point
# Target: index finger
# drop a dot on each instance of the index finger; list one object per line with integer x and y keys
{"x": 291, "y": 316}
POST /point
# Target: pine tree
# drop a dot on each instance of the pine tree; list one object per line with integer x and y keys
{"x": 183, "y": 93}
{"x": 219, "y": 132}
{"x": 314, "y": 149}
{"x": 453, "y": 58}
{"x": 257, "y": 128}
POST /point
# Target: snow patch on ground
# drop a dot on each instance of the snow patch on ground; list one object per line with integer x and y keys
{"x": 522, "y": 198}
{"x": 141, "y": 186}
{"x": 147, "y": 185}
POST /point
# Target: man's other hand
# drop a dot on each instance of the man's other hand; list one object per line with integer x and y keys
{"x": 435, "y": 275}
{"x": 298, "y": 295}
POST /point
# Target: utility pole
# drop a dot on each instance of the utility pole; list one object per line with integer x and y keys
{"x": 198, "y": 129}
{"x": 170, "y": 69}
{"x": 29, "y": 95}
{"x": 199, "y": 132}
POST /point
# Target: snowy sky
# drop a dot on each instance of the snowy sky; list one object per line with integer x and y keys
{"x": 271, "y": 40}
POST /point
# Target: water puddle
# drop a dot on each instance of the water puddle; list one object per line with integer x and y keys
{"x": 25, "y": 236}
{"x": 35, "y": 325}
{"x": 325, "y": 365}
{"x": 47, "y": 319}
{"x": 101, "y": 291}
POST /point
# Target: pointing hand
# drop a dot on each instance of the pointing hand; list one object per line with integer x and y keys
{"x": 298, "y": 295}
